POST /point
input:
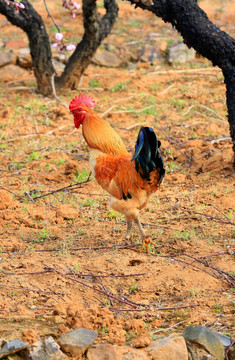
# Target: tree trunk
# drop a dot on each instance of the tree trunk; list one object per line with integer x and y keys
{"x": 96, "y": 29}
{"x": 206, "y": 38}
{"x": 31, "y": 22}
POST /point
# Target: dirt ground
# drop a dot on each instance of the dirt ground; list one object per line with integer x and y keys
{"x": 61, "y": 256}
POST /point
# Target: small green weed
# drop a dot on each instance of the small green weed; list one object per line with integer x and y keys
{"x": 81, "y": 176}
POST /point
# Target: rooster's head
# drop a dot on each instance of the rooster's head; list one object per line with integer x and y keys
{"x": 78, "y": 107}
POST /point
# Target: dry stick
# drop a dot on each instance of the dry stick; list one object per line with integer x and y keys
{"x": 25, "y": 288}
{"x": 163, "y": 308}
{"x": 223, "y": 273}
{"x": 89, "y": 286}
{"x": 79, "y": 275}
{"x": 19, "y": 138}
{"x": 198, "y": 268}
{"x": 133, "y": 302}
{"x": 54, "y": 90}
{"x": 166, "y": 72}
{"x": 114, "y": 247}
{"x": 206, "y": 108}
{"x": 72, "y": 186}
{"x": 177, "y": 307}
{"x": 230, "y": 347}
{"x": 209, "y": 217}
{"x": 166, "y": 329}
{"x": 43, "y": 291}
{"x": 11, "y": 192}
{"x": 104, "y": 288}
{"x": 226, "y": 217}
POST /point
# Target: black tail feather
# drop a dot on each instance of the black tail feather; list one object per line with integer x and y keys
{"x": 147, "y": 157}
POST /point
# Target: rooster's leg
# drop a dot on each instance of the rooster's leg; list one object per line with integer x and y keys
{"x": 128, "y": 230}
{"x": 144, "y": 236}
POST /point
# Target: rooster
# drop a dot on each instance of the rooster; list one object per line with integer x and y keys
{"x": 130, "y": 180}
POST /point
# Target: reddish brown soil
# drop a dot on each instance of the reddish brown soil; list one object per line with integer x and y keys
{"x": 69, "y": 230}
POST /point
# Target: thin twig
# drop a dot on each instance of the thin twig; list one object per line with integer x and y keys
{"x": 72, "y": 186}
{"x": 177, "y": 307}
{"x": 54, "y": 90}
{"x": 226, "y": 217}
{"x": 209, "y": 217}
{"x": 49, "y": 14}
{"x": 169, "y": 328}
{"x": 89, "y": 286}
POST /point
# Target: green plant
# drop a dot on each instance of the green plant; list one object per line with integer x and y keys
{"x": 41, "y": 236}
{"x": 81, "y": 176}
{"x": 134, "y": 288}
{"x": 121, "y": 86}
{"x": 94, "y": 83}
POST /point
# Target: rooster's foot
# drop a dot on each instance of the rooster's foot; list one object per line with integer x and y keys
{"x": 145, "y": 244}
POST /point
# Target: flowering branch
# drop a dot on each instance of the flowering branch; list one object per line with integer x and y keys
{"x": 15, "y": 4}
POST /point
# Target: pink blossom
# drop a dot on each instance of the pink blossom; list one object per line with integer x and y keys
{"x": 55, "y": 45}
{"x": 73, "y": 15}
{"x": 59, "y": 36}
{"x": 21, "y": 6}
{"x": 70, "y": 47}
{"x": 76, "y": 5}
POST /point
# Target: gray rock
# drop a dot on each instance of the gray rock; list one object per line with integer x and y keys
{"x": 224, "y": 339}
{"x": 24, "y": 58}
{"x": 46, "y": 349}
{"x": 76, "y": 342}
{"x": 7, "y": 57}
{"x": 208, "y": 357}
{"x": 180, "y": 54}
{"x": 150, "y": 54}
{"x": 106, "y": 58}
{"x": 204, "y": 339}
{"x": 12, "y": 347}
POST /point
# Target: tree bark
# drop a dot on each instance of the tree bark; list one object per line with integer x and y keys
{"x": 96, "y": 29}
{"x": 31, "y": 22}
{"x": 205, "y": 37}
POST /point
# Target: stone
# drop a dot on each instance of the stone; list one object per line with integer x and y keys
{"x": 141, "y": 341}
{"x": 12, "y": 72}
{"x": 29, "y": 335}
{"x": 135, "y": 355}
{"x": 66, "y": 211}
{"x": 76, "y": 342}
{"x": 46, "y": 349}
{"x": 175, "y": 346}
{"x": 224, "y": 339}
{"x": 204, "y": 338}
{"x": 114, "y": 352}
{"x": 150, "y": 54}
{"x": 12, "y": 347}
{"x": 24, "y": 58}
{"x": 214, "y": 162}
{"x": 102, "y": 352}
{"x": 106, "y": 58}
{"x": 7, "y": 57}
{"x": 180, "y": 54}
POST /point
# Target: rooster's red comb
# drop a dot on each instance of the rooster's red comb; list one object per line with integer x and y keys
{"x": 81, "y": 100}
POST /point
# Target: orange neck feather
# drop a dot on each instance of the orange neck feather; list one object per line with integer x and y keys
{"x": 100, "y": 135}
